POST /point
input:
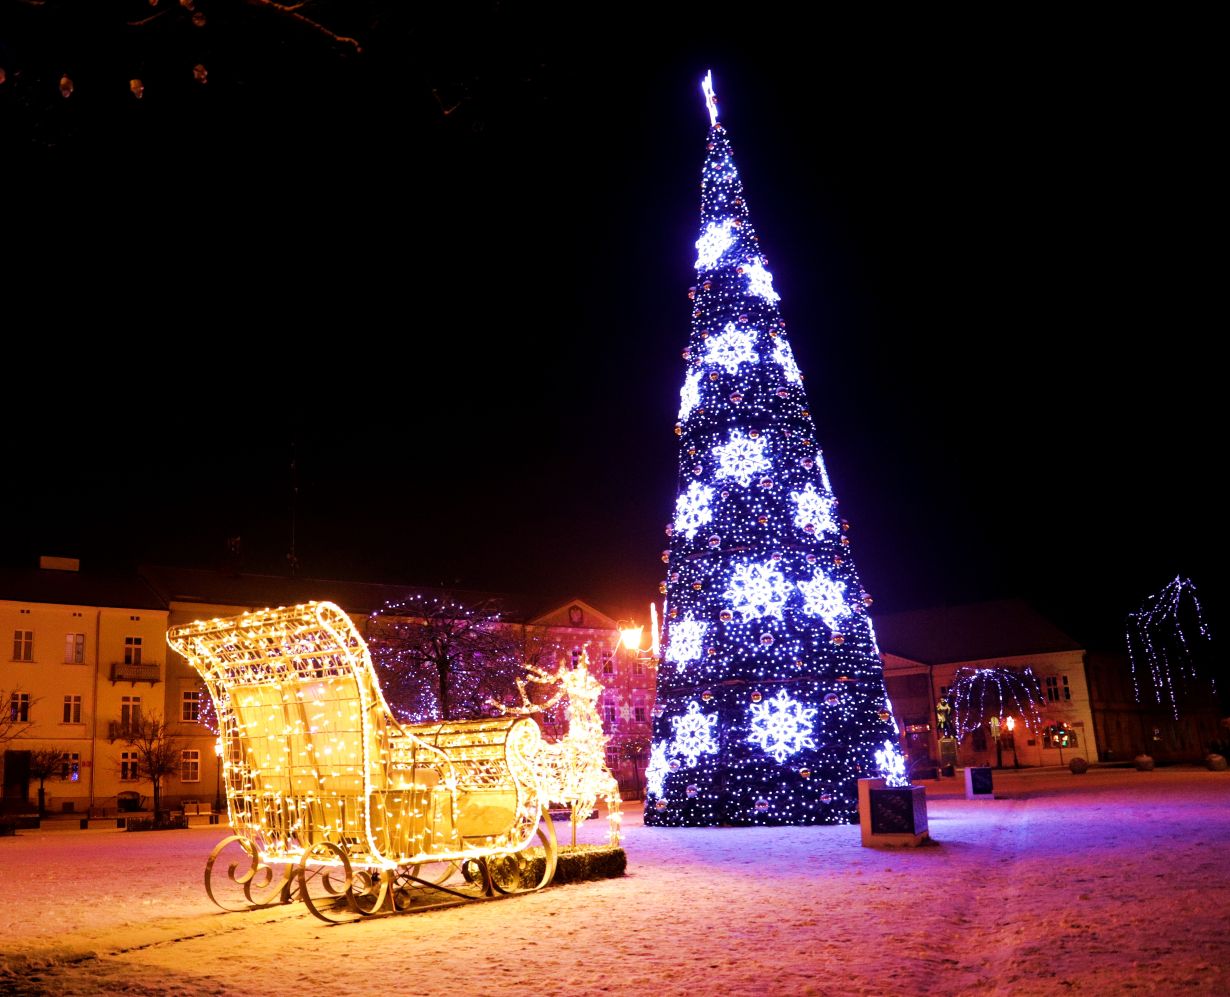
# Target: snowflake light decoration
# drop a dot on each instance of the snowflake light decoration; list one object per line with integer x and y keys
{"x": 824, "y": 597}
{"x": 742, "y": 457}
{"x": 782, "y": 726}
{"x": 760, "y": 281}
{"x": 692, "y": 509}
{"x": 689, "y": 395}
{"x": 891, "y": 765}
{"x": 758, "y": 590}
{"x": 713, "y": 243}
{"x": 687, "y": 642}
{"x": 656, "y": 770}
{"x": 784, "y": 355}
{"x": 814, "y": 510}
{"x": 730, "y": 348}
{"x": 694, "y": 734}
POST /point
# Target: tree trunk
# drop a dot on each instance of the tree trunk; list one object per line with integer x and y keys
{"x": 42, "y": 800}
{"x": 442, "y": 666}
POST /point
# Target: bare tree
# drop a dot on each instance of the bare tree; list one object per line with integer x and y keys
{"x": 157, "y": 751}
{"x": 441, "y": 657}
{"x": 44, "y": 763}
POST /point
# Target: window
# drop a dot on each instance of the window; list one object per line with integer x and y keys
{"x": 638, "y": 668}
{"x": 132, "y": 650}
{"x": 1059, "y": 736}
{"x": 576, "y": 656}
{"x": 612, "y": 756}
{"x": 610, "y": 712}
{"x": 189, "y": 766}
{"x": 1057, "y": 688}
{"x": 640, "y": 714}
{"x": 190, "y": 708}
{"x": 72, "y": 709}
{"x": 130, "y": 711}
{"x": 608, "y": 661}
{"x": 23, "y": 645}
{"x": 70, "y": 766}
{"x": 74, "y": 649}
{"x": 128, "y": 766}
{"x": 19, "y": 707}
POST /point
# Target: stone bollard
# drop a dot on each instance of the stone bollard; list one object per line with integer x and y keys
{"x": 1144, "y": 763}
{"x": 1078, "y": 766}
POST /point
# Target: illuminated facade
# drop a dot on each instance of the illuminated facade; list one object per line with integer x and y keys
{"x": 925, "y": 651}
{"x": 106, "y": 616}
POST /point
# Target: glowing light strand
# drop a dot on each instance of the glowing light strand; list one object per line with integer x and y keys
{"x": 781, "y": 726}
{"x": 692, "y": 510}
{"x": 1165, "y": 638}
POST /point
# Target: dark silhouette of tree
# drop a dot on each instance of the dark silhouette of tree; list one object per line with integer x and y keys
{"x": 157, "y": 750}
{"x": 443, "y": 657}
{"x": 44, "y": 763}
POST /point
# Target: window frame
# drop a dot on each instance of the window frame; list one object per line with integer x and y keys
{"x": 190, "y": 761}
{"x": 23, "y": 644}
{"x": 72, "y": 709}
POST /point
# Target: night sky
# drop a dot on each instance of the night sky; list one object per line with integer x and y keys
{"x": 992, "y": 238}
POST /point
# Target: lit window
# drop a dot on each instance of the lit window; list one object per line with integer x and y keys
{"x": 70, "y": 766}
{"x": 23, "y": 645}
{"x": 1059, "y": 736}
{"x": 190, "y": 766}
{"x": 74, "y": 649}
{"x": 608, "y": 661}
{"x": 72, "y": 709}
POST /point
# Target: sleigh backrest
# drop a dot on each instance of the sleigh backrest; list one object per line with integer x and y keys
{"x": 303, "y": 722}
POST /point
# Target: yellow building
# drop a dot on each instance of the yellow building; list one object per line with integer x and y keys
{"x": 87, "y": 655}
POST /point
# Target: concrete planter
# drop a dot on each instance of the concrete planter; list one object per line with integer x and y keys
{"x": 1215, "y": 762}
{"x": 979, "y": 784}
{"x": 1144, "y": 763}
{"x": 1078, "y": 766}
{"x": 892, "y": 817}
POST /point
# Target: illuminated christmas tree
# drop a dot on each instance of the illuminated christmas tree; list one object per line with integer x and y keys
{"x": 771, "y": 701}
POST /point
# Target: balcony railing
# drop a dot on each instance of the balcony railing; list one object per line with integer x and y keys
{"x": 144, "y": 672}
{"x": 118, "y": 730}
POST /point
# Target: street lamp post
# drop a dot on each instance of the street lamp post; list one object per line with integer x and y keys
{"x": 1011, "y": 724}
{"x": 999, "y": 745}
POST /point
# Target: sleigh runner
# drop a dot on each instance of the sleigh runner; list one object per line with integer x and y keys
{"x": 335, "y": 802}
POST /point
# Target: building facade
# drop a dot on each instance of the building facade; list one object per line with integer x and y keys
{"x": 88, "y": 657}
{"x": 924, "y": 650}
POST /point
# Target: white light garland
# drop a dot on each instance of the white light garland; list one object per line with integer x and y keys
{"x": 824, "y": 597}
{"x": 656, "y": 770}
{"x": 689, "y": 394}
{"x": 731, "y": 348}
{"x": 742, "y": 457}
{"x": 784, "y": 355}
{"x": 692, "y": 509}
{"x": 814, "y": 510}
{"x": 781, "y": 725}
{"x": 687, "y": 641}
{"x": 713, "y": 243}
{"x": 891, "y": 765}
{"x": 760, "y": 282}
{"x": 694, "y": 734}
{"x": 758, "y": 590}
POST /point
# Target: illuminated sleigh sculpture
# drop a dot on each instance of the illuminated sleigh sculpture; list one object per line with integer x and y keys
{"x": 335, "y": 802}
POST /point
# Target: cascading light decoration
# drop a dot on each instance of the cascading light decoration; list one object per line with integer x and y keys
{"x": 776, "y": 704}
{"x": 978, "y": 694}
{"x": 1165, "y": 639}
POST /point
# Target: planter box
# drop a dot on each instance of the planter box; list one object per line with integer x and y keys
{"x": 891, "y": 817}
{"x": 979, "y": 784}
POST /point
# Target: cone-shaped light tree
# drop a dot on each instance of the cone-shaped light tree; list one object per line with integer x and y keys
{"x": 771, "y": 699}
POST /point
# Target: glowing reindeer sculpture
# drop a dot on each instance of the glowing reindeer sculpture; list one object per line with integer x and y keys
{"x": 573, "y": 772}
{"x": 334, "y": 802}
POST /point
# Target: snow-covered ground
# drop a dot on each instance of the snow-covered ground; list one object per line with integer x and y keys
{"x": 1107, "y": 883}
